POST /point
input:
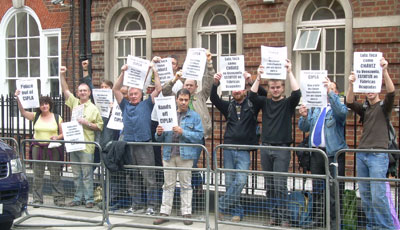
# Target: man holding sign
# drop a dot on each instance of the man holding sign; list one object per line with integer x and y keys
{"x": 326, "y": 131}
{"x": 91, "y": 122}
{"x": 375, "y": 116}
{"x": 189, "y": 130}
{"x": 277, "y": 115}
{"x": 137, "y": 128}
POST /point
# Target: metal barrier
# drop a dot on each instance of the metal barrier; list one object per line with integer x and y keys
{"x": 200, "y": 213}
{"x": 58, "y": 183}
{"x": 350, "y": 211}
{"x": 260, "y": 204}
{"x": 16, "y": 147}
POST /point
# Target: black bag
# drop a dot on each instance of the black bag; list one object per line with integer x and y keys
{"x": 304, "y": 157}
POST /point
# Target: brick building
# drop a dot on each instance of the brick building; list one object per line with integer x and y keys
{"x": 37, "y": 35}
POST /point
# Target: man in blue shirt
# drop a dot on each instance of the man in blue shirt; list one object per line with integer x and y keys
{"x": 137, "y": 128}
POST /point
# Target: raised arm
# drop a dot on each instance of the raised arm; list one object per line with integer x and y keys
{"x": 208, "y": 78}
{"x": 221, "y": 105}
{"x": 157, "y": 82}
{"x": 388, "y": 81}
{"x": 64, "y": 85}
{"x": 256, "y": 84}
{"x": 118, "y": 85}
{"x": 293, "y": 82}
{"x": 28, "y": 115}
{"x": 350, "y": 93}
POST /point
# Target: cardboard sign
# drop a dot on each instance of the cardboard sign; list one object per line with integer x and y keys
{"x": 73, "y": 131}
{"x": 232, "y": 68}
{"x": 274, "y": 59}
{"x": 166, "y": 112}
{"x": 103, "y": 99}
{"x": 137, "y": 72}
{"x": 115, "y": 121}
{"x": 195, "y": 64}
{"x": 29, "y": 94}
{"x": 313, "y": 91}
{"x": 164, "y": 69}
{"x": 368, "y": 72}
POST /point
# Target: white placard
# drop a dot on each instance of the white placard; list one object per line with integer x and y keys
{"x": 313, "y": 91}
{"x": 164, "y": 69}
{"x": 232, "y": 68}
{"x": 137, "y": 71}
{"x": 115, "y": 121}
{"x": 1, "y": 208}
{"x": 166, "y": 112}
{"x": 195, "y": 64}
{"x": 103, "y": 99}
{"x": 29, "y": 94}
{"x": 368, "y": 72}
{"x": 77, "y": 112}
{"x": 73, "y": 131}
{"x": 274, "y": 59}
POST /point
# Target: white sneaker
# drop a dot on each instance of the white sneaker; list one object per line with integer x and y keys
{"x": 135, "y": 210}
{"x": 150, "y": 212}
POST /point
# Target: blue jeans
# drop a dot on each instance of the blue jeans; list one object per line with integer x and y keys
{"x": 276, "y": 161}
{"x": 83, "y": 175}
{"x": 373, "y": 194}
{"x": 235, "y": 182}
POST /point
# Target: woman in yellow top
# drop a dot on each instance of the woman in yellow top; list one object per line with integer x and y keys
{"x": 46, "y": 128}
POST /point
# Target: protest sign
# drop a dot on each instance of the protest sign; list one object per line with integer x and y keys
{"x": 103, "y": 99}
{"x": 164, "y": 69}
{"x": 232, "y": 68}
{"x": 195, "y": 64}
{"x": 115, "y": 121}
{"x": 73, "y": 131}
{"x": 29, "y": 94}
{"x": 274, "y": 59}
{"x": 368, "y": 72}
{"x": 137, "y": 71}
{"x": 77, "y": 112}
{"x": 313, "y": 91}
{"x": 166, "y": 112}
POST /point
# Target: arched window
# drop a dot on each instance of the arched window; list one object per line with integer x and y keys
{"x": 321, "y": 38}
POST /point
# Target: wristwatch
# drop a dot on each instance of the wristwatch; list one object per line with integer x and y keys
{"x": 90, "y": 125}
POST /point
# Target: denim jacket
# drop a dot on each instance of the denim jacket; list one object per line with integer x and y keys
{"x": 335, "y": 120}
{"x": 192, "y": 134}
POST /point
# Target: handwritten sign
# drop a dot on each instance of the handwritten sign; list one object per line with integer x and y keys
{"x": 103, "y": 99}
{"x": 368, "y": 72}
{"x": 115, "y": 121}
{"x": 313, "y": 91}
{"x": 164, "y": 69}
{"x": 195, "y": 64}
{"x": 274, "y": 59}
{"x": 166, "y": 112}
{"x": 232, "y": 68}
{"x": 73, "y": 131}
{"x": 137, "y": 71}
{"x": 77, "y": 112}
{"x": 29, "y": 94}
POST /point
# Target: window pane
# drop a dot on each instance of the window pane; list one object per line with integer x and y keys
{"x": 330, "y": 39}
{"x": 219, "y": 20}
{"x": 53, "y": 66}
{"x": 11, "y": 28}
{"x": 323, "y": 14}
{"x": 313, "y": 38}
{"x": 34, "y": 67}
{"x": 121, "y": 62}
{"x": 233, "y": 44}
{"x": 213, "y": 43}
{"x": 133, "y": 26}
{"x": 22, "y": 47}
{"x": 33, "y": 27}
{"x": 207, "y": 18}
{"x": 142, "y": 22}
{"x": 220, "y": 9}
{"x": 305, "y": 61}
{"x": 22, "y": 68}
{"x": 315, "y": 61}
{"x": 128, "y": 49}
{"x": 204, "y": 41}
{"x": 340, "y": 82}
{"x": 122, "y": 24}
{"x": 330, "y": 62}
{"x": 120, "y": 47}
{"x": 11, "y": 67}
{"x": 21, "y": 25}
{"x": 54, "y": 87}
{"x": 338, "y": 9}
{"x": 225, "y": 44}
{"x": 34, "y": 47}
{"x": 339, "y": 39}
{"x": 231, "y": 17}
{"x": 53, "y": 46}
{"x": 138, "y": 47}
{"x": 322, "y": 3}
{"x": 308, "y": 12}
{"x": 215, "y": 62}
{"x": 10, "y": 48}
{"x": 340, "y": 62}
{"x": 302, "y": 39}
{"x": 11, "y": 87}
{"x": 144, "y": 47}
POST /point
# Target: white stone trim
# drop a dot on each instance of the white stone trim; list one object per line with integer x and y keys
{"x": 169, "y": 33}
{"x": 382, "y": 21}
{"x": 254, "y": 28}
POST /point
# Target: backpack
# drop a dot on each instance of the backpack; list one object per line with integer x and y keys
{"x": 56, "y": 116}
{"x": 300, "y": 208}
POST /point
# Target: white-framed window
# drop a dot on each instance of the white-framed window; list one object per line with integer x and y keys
{"x": 130, "y": 37}
{"x": 320, "y": 39}
{"x": 28, "y": 51}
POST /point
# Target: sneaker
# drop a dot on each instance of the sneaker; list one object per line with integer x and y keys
{"x": 187, "y": 222}
{"x": 74, "y": 203}
{"x": 235, "y": 219}
{"x": 135, "y": 210}
{"x": 89, "y": 205}
{"x": 36, "y": 204}
{"x": 150, "y": 212}
{"x": 160, "y": 221}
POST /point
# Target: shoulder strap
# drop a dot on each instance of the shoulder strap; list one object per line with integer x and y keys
{"x": 36, "y": 118}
